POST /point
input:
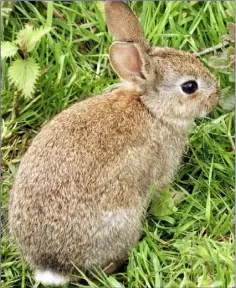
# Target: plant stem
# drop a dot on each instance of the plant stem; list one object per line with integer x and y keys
{"x": 213, "y": 48}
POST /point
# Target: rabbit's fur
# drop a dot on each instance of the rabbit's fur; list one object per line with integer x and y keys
{"x": 82, "y": 186}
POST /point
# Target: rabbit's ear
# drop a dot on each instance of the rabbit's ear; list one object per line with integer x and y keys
{"x": 127, "y": 60}
{"x": 123, "y": 23}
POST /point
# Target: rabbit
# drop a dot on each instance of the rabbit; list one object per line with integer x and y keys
{"x": 82, "y": 187}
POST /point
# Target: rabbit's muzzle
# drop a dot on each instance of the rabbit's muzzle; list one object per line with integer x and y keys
{"x": 213, "y": 100}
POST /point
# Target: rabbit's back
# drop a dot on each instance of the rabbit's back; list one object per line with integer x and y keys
{"x": 83, "y": 143}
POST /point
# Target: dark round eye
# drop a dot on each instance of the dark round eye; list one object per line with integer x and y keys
{"x": 189, "y": 87}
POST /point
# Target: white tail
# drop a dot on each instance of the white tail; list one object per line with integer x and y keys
{"x": 47, "y": 277}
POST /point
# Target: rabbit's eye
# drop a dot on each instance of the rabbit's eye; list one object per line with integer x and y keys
{"x": 189, "y": 87}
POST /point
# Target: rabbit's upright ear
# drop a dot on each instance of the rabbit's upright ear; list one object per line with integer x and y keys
{"x": 127, "y": 60}
{"x": 123, "y": 23}
{"x": 128, "y": 56}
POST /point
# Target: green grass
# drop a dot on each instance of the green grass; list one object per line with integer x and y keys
{"x": 192, "y": 247}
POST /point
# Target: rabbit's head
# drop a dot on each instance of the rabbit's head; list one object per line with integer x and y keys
{"x": 174, "y": 83}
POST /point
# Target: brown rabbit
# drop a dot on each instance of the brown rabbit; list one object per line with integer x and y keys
{"x": 82, "y": 187}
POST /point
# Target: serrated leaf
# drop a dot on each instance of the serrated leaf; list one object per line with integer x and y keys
{"x": 227, "y": 99}
{"x": 23, "y": 75}
{"x": 28, "y": 37}
{"x": 8, "y": 49}
{"x": 164, "y": 204}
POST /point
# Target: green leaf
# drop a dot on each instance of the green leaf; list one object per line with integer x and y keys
{"x": 227, "y": 99}
{"x": 231, "y": 77}
{"x": 28, "y": 37}
{"x": 23, "y": 75}
{"x": 8, "y": 49}
{"x": 5, "y": 12}
{"x": 202, "y": 251}
{"x": 114, "y": 283}
{"x": 6, "y": 8}
{"x": 164, "y": 204}
{"x": 205, "y": 281}
{"x": 101, "y": 7}
{"x": 219, "y": 62}
{"x": 231, "y": 58}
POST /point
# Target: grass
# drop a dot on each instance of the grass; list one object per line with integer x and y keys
{"x": 191, "y": 247}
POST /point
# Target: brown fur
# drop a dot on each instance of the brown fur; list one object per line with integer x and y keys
{"x": 82, "y": 187}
